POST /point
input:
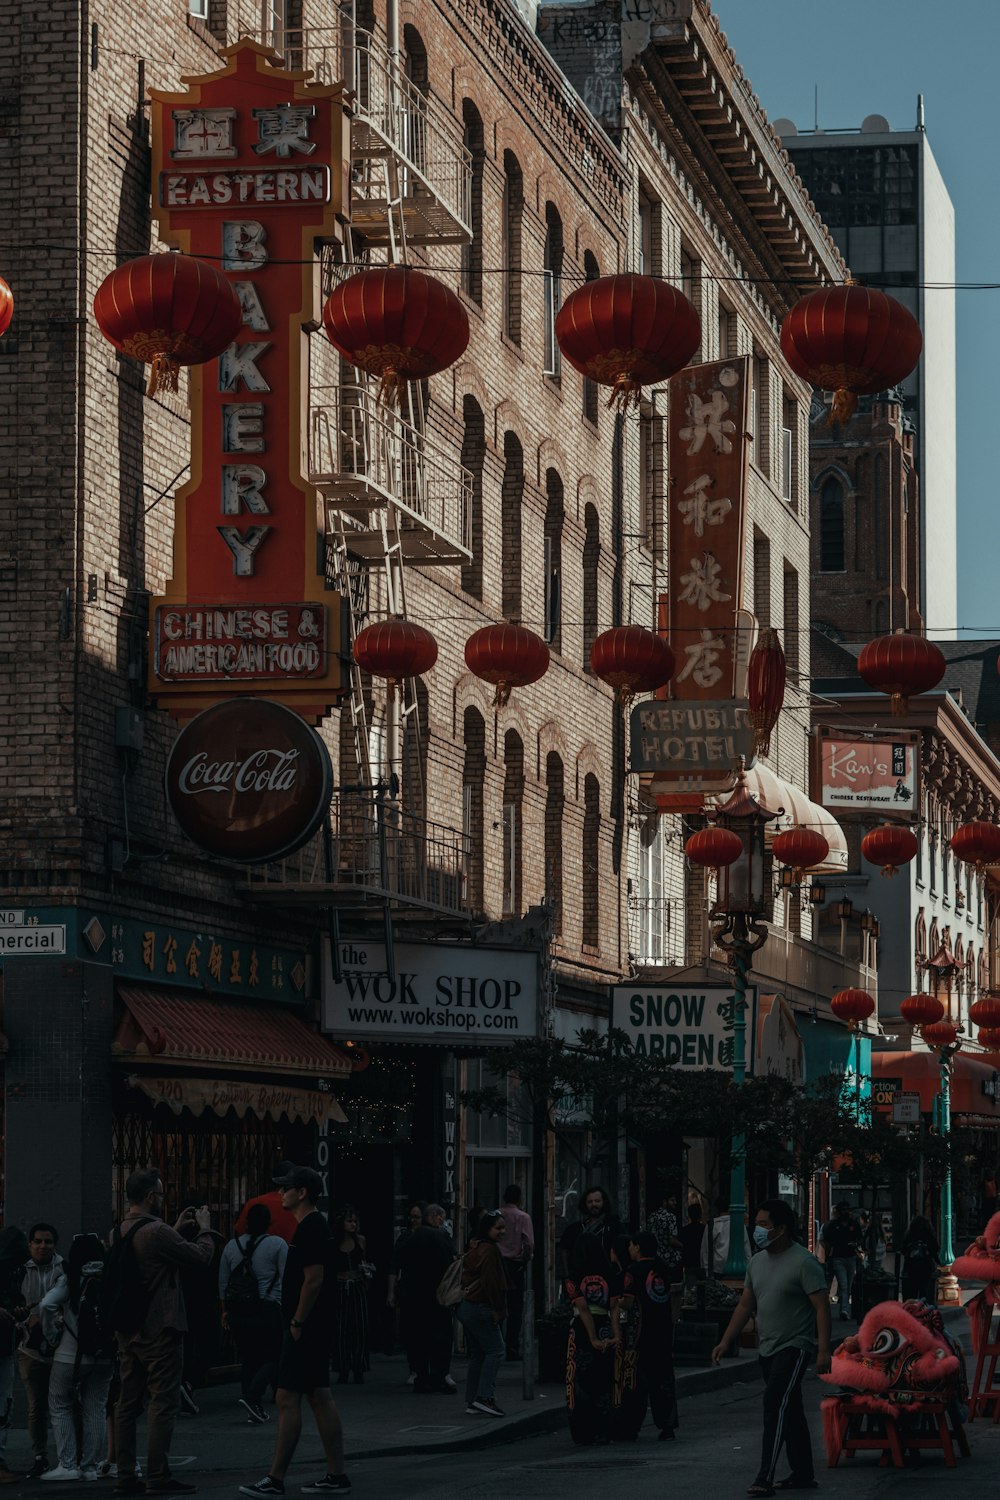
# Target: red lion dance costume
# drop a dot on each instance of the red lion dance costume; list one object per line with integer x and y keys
{"x": 981, "y": 1262}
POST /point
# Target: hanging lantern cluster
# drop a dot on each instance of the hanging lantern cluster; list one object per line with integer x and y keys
{"x": 921, "y": 1010}
{"x": 940, "y": 1033}
{"x": 626, "y": 332}
{"x": 168, "y": 310}
{"x": 852, "y": 340}
{"x": 508, "y": 656}
{"x": 765, "y": 687}
{"x": 395, "y": 649}
{"x": 901, "y": 665}
{"x": 6, "y": 306}
{"x": 800, "y": 848}
{"x": 853, "y": 1007}
{"x": 977, "y": 844}
{"x": 632, "y": 660}
{"x": 714, "y": 847}
{"x": 397, "y": 323}
{"x": 985, "y": 1011}
{"x": 890, "y": 846}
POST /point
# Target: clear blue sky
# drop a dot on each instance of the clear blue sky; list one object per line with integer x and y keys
{"x": 875, "y": 57}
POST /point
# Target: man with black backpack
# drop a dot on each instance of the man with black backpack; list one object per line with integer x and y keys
{"x": 250, "y": 1274}
{"x": 144, "y": 1305}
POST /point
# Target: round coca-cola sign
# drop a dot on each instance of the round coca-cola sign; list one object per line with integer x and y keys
{"x": 249, "y": 780}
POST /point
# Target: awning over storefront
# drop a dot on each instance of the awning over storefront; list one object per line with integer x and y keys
{"x": 973, "y": 1084}
{"x": 778, "y": 795}
{"x": 173, "y": 1027}
{"x": 223, "y": 1094}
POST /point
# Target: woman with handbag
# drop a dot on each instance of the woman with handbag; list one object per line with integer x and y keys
{"x": 481, "y": 1313}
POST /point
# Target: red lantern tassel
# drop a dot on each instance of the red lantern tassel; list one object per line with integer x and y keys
{"x": 163, "y": 374}
{"x": 843, "y": 406}
{"x": 626, "y": 392}
{"x": 899, "y": 705}
{"x": 501, "y": 696}
{"x": 390, "y": 388}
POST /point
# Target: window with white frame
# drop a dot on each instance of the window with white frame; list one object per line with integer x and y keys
{"x": 651, "y": 912}
{"x": 198, "y": 9}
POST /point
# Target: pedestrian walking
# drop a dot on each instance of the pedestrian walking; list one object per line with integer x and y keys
{"x": 481, "y": 1312}
{"x": 415, "y": 1213}
{"x": 786, "y": 1288}
{"x": 250, "y": 1276}
{"x": 42, "y": 1270}
{"x": 350, "y": 1268}
{"x": 841, "y": 1241}
{"x": 517, "y": 1246}
{"x": 307, "y": 1308}
{"x": 692, "y": 1236}
{"x": 597, "y": 1219}
{"x": 423, "y": 1260}
{"x": 921, "y": 1253}
{"x": 13, "y": 1253}
{"x": 590, "y": 1350}
{"x": 646, "y": 1303}
{"x": 83, "y": 1362}
{"x": 145, "y": 1308}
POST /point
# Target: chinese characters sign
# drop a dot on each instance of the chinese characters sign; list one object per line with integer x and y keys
{"x": 207, "y": 961}
{"x": 249, "y": 172}
{"x": 869, "y": 773}
{"x": 708, "y": 454}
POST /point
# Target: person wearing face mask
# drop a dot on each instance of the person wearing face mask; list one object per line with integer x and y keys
{"x": 786, "y": 1289}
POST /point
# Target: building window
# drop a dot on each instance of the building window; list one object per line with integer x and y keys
{"x": 652, "y": 911}
{"x": 760, "y": 413}
{"x": 273, "y": 20}
{"x": 554, "y": 804}
{"x": 473, "y": 459}
{"x": 644, "y": 238}
{"x": 880, "y": 510}
{"x": 198, "y": 9}
{"x": 591, "y": 272}
{"x": 472, "y": 254}
{"x": 789, "y": 450}
{"x": 554, "y": 513}
{"x": 790, "y": 623}
{"x": 511, "y": 502}
{"x": 690, "y": 269}
{"x": 513, "y": 801}
{"x": 831, "y": 526}
{"x": 591, "y": 562}
{"x": 412, "y": 106}
{"x": 591, "y": 861}
{"x": 762, "y": 579}
{"x": 473, "y": 803}
{"x": 727, "y": 332}
{"x": 513, "y": 220}
{"x": 553, "y": 265}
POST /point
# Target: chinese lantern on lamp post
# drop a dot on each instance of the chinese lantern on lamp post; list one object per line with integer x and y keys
{"x": 740, "y": 931}
{"x": 942, "y": 1037}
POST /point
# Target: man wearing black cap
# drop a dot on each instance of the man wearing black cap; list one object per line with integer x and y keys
{"x": 307, "y": 1291}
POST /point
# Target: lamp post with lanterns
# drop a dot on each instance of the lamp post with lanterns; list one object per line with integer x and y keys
{"x": 943, "y": 1039}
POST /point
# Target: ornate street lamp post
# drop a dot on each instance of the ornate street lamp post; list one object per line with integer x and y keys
{"x": 739, "y": 930}
{"x": 943, "y": 1039}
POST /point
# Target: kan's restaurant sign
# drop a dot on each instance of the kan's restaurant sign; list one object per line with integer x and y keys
{"x": 249, "y": 171}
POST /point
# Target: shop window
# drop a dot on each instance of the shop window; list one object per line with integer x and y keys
{"x": 591, "y": 862}
{"x": 513, "y": 803}
{"x": 511, "y": 502}
{"x": 472, "y": 253}
{"x": 554, "y": 806}
{"x": 513, "y": 221}
{"x": 591, "y": 562}
{"x": 554, "y": 516}
{"x": 473, "y": 459}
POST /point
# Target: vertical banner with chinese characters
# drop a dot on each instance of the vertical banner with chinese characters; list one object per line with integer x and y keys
{"x": 249, "y": 171}
{"x": 707, "y": 503}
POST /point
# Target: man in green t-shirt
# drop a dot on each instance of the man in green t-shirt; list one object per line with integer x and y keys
{"x": 786, "y": 1288}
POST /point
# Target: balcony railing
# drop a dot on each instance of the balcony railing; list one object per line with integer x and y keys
{"x": 363, "y": 455}
{"x": 391, "y": 118}
{"x": 379, "y": 853}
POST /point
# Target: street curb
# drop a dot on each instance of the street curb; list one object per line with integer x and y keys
{"x": 552, "y": 1418}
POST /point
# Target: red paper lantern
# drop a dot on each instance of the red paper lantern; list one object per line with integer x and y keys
{"x": 940, "y": 1034}
{"x": 171, "y": 310}
{"x": 766, "y": 687}
{"x": 901, "y": 665}
{"x": 985, "y": 1011}
{"x": 852, "y": 1006}
{"x": 802, "y": 848}
{"x": 397, "y": 323}
{"x": 921, "y": 1010}
{"x": 889, "y": 846}
{"x": 852, "y": 340}
{"x": 395, "y": 649}
{"x": 977, "y": 844}
{"x": 627, "y": 331}
{"x": 508, "y": 656}
{"x": 631, "y": 660}
{"x": 6, "y": 306}
{"x": 714, "y": 847}
{"x": 990, "y": 1037}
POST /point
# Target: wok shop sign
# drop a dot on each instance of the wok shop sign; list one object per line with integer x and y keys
{"x": 688, "y": 1025}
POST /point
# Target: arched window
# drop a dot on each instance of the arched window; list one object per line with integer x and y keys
{"x": 554, "y": 804}
{"x": 591, "y": 562}
{"x": 415, "y": 741}
{"x": 831, "y": 526}
{"x": 513, "y": 220}
{"x": 513, "y": 803}
{"x": 415, "y": 60}
{"x": 880, "y": 512}
{"x": 413, "y": 109}
{"x": 920, "y": 936}
{"x": 591, "y": 861}
{"x": 473, "y": 804}
{"x": 591, "y": 272}
{"x": 473, "y": 459}
{"x": 511, "y": 501}
{"x": 553, "y": 558}
{"x": 553, "y": 264}
{"x": 472, "y": 254}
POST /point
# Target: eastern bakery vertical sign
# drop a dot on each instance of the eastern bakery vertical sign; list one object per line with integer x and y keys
{"x": 249, "y": 171}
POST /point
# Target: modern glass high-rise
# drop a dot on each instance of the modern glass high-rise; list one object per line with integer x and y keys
{"x": 883, "y": 198}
